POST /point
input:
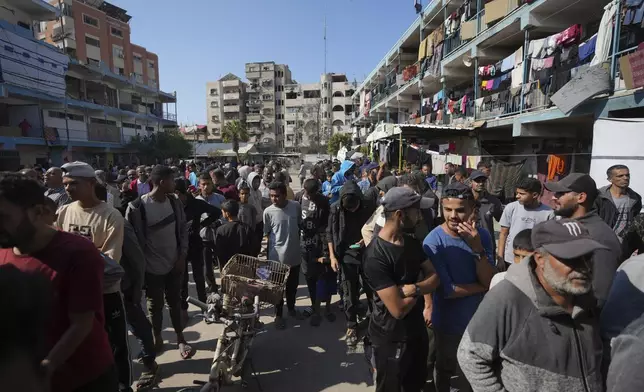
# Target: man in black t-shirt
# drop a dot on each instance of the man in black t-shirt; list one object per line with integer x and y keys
{"x": 395, "y": 263}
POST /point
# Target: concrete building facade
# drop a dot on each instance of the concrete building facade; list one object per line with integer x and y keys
{"x": 73, "y": 87}
{"x": 226, "y": 102}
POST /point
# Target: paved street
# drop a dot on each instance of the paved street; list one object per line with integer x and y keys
{"x": 300, "y": 358}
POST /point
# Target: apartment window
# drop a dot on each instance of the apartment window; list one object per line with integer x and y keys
{"x": 61, "y": 115}
{"x": 290, "y": 123}
{"x": 90, "y": 20}
{"x": 149, "y": 129}
{"x": 117, "y": 32}
{"x": 24, "y": 25}
{"x": 150, "y": 64}
{"x": 130, "y": 125}
{"x": 119, "y": 71}
{"x": 67, "y": 10}
{"x": 102, "y": 121}
{"x": 118, "y": 51}
{"x": 92, "y": 41}
{"x": 94, "y": 62}
{"x": 137, "y": 57}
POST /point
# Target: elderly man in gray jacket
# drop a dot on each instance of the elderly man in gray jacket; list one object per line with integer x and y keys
{"x": 538, "y": 329}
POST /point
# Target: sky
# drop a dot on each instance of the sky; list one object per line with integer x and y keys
{"x": 202, "y": 40}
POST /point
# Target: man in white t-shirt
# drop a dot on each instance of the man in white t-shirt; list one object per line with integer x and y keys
{"x": 519, "y": 215}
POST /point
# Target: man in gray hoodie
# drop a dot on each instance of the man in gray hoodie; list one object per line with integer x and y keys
{"x": 573, "y": 197}
{"x": 618, "y": 204}
{"x": 537, "y": 330}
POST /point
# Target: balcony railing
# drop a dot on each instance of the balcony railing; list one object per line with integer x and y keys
{"x": 231, "y": 108}
{"x": 253, "y": 117}
{"x": 231, "y": 97}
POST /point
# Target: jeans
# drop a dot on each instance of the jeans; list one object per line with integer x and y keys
{"x": 116, "y": 327}
{"x": 447, "y": 366}
{"x": 141, "y": 328}
{"x": 291, "y": 291}
{"x": 209, "y": 263}
{"x": 195, "y": 258}
{"x": 351, "y": 278}
{"x": 401, "y": 366}
{"x": 106, "y": 382}
{"x": 431, "y": 357}
{"x": 156, "y": 286}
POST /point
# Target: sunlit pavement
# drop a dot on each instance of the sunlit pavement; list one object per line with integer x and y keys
{"x": 299, "y": 358}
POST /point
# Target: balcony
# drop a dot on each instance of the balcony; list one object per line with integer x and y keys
{"x": 254, "y": 103}
{"x": 267, "y": 97}
{"x": 231, "y": 97}
{"x": 252, "y": 75}
{"x": 253, "y": 118}
{"x": 230, "y": 83}
{"x": 104, "y": 133}
{"x": 253, "y": 88}
{"x": 231, "y": 108}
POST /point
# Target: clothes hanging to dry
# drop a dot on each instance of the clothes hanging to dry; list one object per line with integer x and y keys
{"x": 556, "y": 166}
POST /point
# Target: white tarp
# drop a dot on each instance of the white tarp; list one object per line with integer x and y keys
{"x": 32, "y": 65}
{"x": 383, "y": 130}
{"x": 609, "y": 148}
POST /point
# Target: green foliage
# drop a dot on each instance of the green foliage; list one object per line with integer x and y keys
{"x": 235, "y": 132}
{"x": 160, "y": 146}
{"x": 336, "y": 140}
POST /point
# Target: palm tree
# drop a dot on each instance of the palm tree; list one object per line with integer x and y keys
{"x": 235, "y": 132}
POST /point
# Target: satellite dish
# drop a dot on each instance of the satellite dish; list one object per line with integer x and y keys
{"x": 467, "y": 60}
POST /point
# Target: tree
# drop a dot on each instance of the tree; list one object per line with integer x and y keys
{"x": 235, "y": 132}
{"x": 336, "y": 140}
{"x": 161, "y": 146}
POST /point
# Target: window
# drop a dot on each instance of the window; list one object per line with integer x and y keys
{"x": 102, "y": 121}
{"x": 117, "y": 32}
{"x": 137, "y": 57}
{"x": 290, "y": 123}
{"x": 70, "y": 116}
{"x": 93, "y": 62}
{"x": 118, "y": 51}
{"x": 130, "y": 125}
{"x": 213, "y": 91}
{"x": 24, "y": 25}
{"x": 149, "y": 129}
{"x": 150, "y": 64}
{"x": 90, "y": 20}
{"x": 92, "y": 41}
{"x": 119, "y": 71}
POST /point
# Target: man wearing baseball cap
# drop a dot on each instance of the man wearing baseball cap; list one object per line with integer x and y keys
{"x": 573, "y": 197}
{"x": 537, "y": 330}
{"x": 491, "y": 207}
{"x": 395, "y": 262}
{"x": 463, "y": 259}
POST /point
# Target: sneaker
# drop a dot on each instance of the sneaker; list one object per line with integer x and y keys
{"x": 352, "y": 337}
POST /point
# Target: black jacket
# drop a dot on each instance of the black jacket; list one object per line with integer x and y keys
{"x": 194, "y": 209}
{"x": 337, "y": 224}
{"x": 233, "y": 238}
{"x": 607, "y": 210}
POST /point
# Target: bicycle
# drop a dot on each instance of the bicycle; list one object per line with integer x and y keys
{"x": 243, "y": 278}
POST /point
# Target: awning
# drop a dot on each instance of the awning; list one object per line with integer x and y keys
{"x": 422, "y": 130}
{"x": 222, "y": 149}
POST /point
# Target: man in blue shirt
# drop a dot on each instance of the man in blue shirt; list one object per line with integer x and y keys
{"x": 346, "y": 172}
{"x": 463, "y": 259}
{"x": 430, "y": 178}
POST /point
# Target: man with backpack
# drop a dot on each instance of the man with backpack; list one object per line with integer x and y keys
{"x": 160, "y": 224}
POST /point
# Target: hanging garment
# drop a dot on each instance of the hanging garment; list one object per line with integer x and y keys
{"x": 422, "y": 49}
{"x": 463, "y": 103}
{"x": 438, "y": 164}
{"x": 450, "y": 106}
{"x": 535, "y": 48}
{"x": 605, "y": 34}
{"x": 518, "y": 57}
{"x": 517, "y": 76}
{"x": 508, "y": 63}
{"x": 587, "y": 49}
{"x": 455, "y": 159}
{"x": 551, "y": 44}
{"x": 569, "y": 36}
{"x": 548, "y": 62}
{"x": 556, "y": 166}
{"x": 478, "y": 104}
{"x": 473, "y": 161}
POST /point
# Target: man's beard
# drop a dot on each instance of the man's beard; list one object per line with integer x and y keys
{"x": 564, "y": 285}
{"x": 23, "y": 234}
{"x": 566, "y": 212}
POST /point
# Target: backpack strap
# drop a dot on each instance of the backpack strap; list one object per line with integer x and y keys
{"x": 173, "y": 203}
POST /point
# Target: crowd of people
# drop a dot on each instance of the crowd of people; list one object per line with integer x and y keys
{"x": 556, "y": 303}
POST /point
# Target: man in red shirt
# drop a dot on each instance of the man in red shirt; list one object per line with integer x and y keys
{"x": 79, "y": 356}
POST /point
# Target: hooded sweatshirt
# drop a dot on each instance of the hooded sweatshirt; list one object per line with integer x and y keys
{"x": 520, "y": 340}
{"x": 607, "y": 209}
{"x": 338, "y": 179}
{"x": 255, "y": 197}
{"x": 340, "y": 220}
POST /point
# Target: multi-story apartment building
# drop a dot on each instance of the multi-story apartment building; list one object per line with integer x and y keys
{"x": 315, "y": 111}
{"x": 226, "y": 101}
{"x": 265, "y": 101}
{"x": 495, "y": 71}
{"x": 73, "y": 85}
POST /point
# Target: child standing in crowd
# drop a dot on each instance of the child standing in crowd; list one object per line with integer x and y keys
{"x": 326, "y": 186}
{"x": 233, "y": 237}
{"x": 519, "y": 215}
{"x": 522, "y": 248}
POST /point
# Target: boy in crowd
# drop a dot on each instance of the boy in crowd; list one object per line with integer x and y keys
{"x": 214, "y": 198}
{"x": 232, "y": 237}
{"x": 326, "y": 186}
{"x": 521, "y": 248}
{"x": 524, "y": 213}
{"x": 282, "y": 222}
{"x": 255, "y": 199}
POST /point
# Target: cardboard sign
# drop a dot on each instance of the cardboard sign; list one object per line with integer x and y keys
{"x": 588, "y": 83}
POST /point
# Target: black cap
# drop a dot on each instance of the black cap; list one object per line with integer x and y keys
{"x": 575, "y": 182}
{"x": 400, "y": 198}
{"x": 564, "y": 238}
{"x": 477, "y": 174}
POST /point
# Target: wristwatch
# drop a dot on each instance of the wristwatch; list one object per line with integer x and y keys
{"x": 417, "y": 293}
{"x": 479, "y": 255}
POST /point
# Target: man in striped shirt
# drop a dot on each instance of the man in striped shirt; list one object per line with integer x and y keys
{"x": 55, "y": 189}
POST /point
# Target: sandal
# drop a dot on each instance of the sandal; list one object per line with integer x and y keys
{"x": 148, "y": 379}
{"x": 186, "y": 351}
{"x": 316, "y": 320}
